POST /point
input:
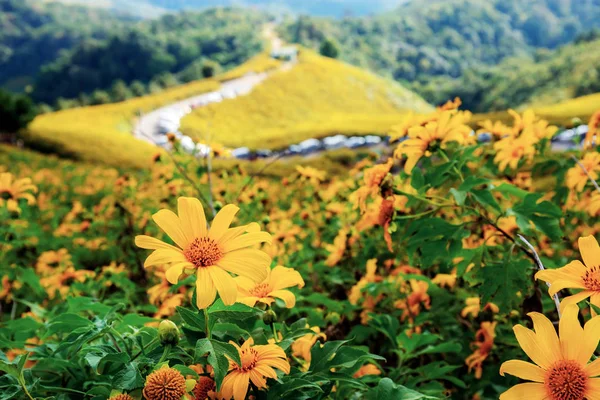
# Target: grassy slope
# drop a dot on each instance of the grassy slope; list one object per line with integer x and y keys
{"x": 560, "y": 114}
{"x": 317, "y": 97}
{"x": 103, "y": 133}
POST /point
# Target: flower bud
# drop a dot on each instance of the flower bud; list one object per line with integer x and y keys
{"x": 269, "y": 317}
{"x": 168, "y": 333}
{"x": 333, "y": 318}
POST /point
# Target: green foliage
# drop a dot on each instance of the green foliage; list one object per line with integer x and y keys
{"x": 329, "y": 49}
{"x": 457, "y": 41}
{"x": 16, "y": 112}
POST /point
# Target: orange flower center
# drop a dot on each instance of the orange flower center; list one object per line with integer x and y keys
{"x": 566, "y": 380}
{"x": 203, "y": 252}
{"x": 204, "y": 385}
{"x": 591, "y": 279}
{"x": 260, "y": 290}
{"x": 164, "y": 384}
{"x": 249, "y": 359}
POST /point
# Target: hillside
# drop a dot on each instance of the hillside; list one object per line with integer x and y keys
{"x": 316, "y": 98}
{"x": 545, "y": 79}
{"x": 112, "y": 57}
{"x": 33, "y": 34}
{"x": 421, "y": 40}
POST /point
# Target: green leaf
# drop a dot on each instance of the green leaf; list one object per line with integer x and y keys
{"x": 293, "y": 388}
{"x": 388, "y": 390}
{"x": 472, "y": 182}
{"x": 322, "y": 355}
{"x": 232, "y": 313}
{"x": 193, "y": 320}
{"x": 459, "y": 196}
{"x": 545, "y": 216}
{"x": 67, "y": 323}
{"x": 501, "y": 282}
{"x": 349, "y": 357}
{"x": 511, "y": 190}
{"x": 218, "y": 353}
{"x": 486, "y": 199}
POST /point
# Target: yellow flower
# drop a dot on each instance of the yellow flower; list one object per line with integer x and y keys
{"x": 498, "y": 129}
{"x": 445, "y": 280}
{"x": 12, "y": 190}
{"x": 301, "y": 346}
{"x": 591, "y": 138}
{"x": 484, "y": 341}
{"x": 562, "y": 371}
{"x": 314, "y": 175}
{"x": 257, "y": 365}
{"x": 576, "y": 275}
{"x": 274, "y": 285}
{"x": 209, "y": 253}
{"x": 164, "y": 384}
{"x": 473, "y": 307}
{"x": 512, "y": 150}
{"x": 577, "y": 178}
{"x": 450, "y": 127}
{"x": 367, "y": 369}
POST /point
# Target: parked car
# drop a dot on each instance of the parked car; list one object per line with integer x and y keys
{"x": 334, "y": 142}
{"x": 310, "y": 146}
{"x": 355, "y": 142}
{"x": 241, "y": 152}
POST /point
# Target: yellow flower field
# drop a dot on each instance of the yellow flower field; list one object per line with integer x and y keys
{"x": 413, "y": 273}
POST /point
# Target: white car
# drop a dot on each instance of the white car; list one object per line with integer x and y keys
{"x": 309, "y": 145}
{"x": 241, "y": 152}
{"x": 187, "y": 144}
{"x": 355, "y": 141}
{"x": 371, "y": 140}
{"x": 334, "y": 142}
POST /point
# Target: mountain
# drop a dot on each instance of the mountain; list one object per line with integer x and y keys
{"x": 32, "y": 35}
{"x": 547, "y": 77}
{"x": 57, "y": 52}
{"x": 419, "y": 40}
{"x": 329, "y": 8}
{"x": 317, "y": 97}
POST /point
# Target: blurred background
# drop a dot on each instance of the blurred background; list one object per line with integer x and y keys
{"x": 308, "y": 70}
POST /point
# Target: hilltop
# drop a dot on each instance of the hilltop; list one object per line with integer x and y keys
{"x": 544, "y": 79}
{"x": 317, "y": 97}
{"x": 423, "y": 40}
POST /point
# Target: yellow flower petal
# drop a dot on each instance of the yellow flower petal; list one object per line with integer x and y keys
{"x": 593, "y": 389}
{"x": 288, "y": 297}
{"x": 222, "y": 221}
{"x": 571, "y": 332}
{"x": 205, "y": 289}
{"x": 526, "y": 391}
{"x": 164, "y": 256}
{"x": 169, "y": 222}
{"x": 224, "y": 283}
{"x": 546, "y": 336}
{"x": 251, "y": 263}
{"x": 150, "y": 243}
{"x": 561, "y": 284}
{"x": 590, "y": 251}
{"x": 246, "y": 240}
{"x": 574, "y": 299}
{"x": 589, "y": 342}
{"x": 528, "y": 341}
{"x": 191, "y": 215}
{"x": 593, "y": 369}
{"x": 282, "y": 277}
{"x": 174, "y": 271}
{"x": 523, "y": 370}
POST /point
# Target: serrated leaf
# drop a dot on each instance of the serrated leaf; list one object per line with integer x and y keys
{"x": 219, "y": 354}
{"x": 388, "y": 390}
{"x": 502, "y": 281}
{"x": 322, "y": 355}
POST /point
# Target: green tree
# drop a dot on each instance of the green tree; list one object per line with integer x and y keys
{"x": 16, "y": 112}
{"x": 210, "y": 68}
{"x": 329, "y": 48}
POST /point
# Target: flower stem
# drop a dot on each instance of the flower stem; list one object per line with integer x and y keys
{"x": 165, "y": 353}
{"x": 206, "y": 318}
